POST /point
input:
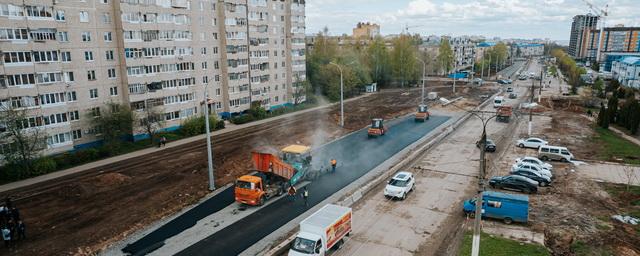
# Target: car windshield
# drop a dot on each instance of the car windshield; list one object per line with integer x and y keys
{"x": 243, "y": 184}
{"x": 303, "y": 245}
{"x": 398, "y": 183}
{"x": 490, "y": 142}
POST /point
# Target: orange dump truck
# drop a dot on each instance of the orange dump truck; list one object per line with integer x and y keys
{"x": 274, "y": 175}
{"x": 504, "y": 114}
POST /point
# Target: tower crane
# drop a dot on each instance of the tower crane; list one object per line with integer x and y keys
{"x": 407, "y": 27}
{"x": 602, "y": 14}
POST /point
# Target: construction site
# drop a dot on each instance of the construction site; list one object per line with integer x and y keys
{"x": 85, "y": 212}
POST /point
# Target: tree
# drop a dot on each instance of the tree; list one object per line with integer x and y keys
{"x": 603, "y": 119}
{"x": 22, "y": 135}
{"x": 598, "y": 86}
{"x": 595, "y": 66}
{"x": 115, "y": 124}
{"x": 612, "y": 86}
{"x": 445, "y": 56}
{"x": 612, "y": 108}
{"x": 300, "y": 90}
{"x": 500, "y": 53}
{"x": 378, "y": 61}
{"x": 151, "y": 121}
{"x": 403, "y": 59}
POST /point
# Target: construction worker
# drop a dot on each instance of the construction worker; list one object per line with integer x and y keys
{"x": 333, "y": 165}
{"x": 305, "y": 195}
{"x": 292, "y": 193}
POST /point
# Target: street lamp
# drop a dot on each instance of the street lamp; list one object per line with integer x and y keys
{"x": 341, "y": 93}
{"x": 475, "y": 248}
{"x": 212, "y": 185}
{"x": 424, "y": 73}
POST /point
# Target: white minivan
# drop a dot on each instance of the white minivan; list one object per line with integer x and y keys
{"x": 547, "y": 152}
{"x": 498, "y": 101}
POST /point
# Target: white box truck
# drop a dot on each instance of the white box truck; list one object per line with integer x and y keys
{"x": 322, "y": 231}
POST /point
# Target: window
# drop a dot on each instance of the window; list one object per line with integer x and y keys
{"x": 43, "y": 34}
{"x": 107, "y": 37}
{"x": 60, "y": 15}
{"x": 113, "y": 91}
{"x": 11, "y": 10}
{"x": 91, "y": 75}
{"x": 104, "y": 1}
{"x": 88, "y": 55}
{"x": 14, "y": 34}
{"x": 95, "y": 112}
{"x": 66, "y": 56}
{"x": 204, "y": 65}
{"x": 18, "y": 79}
{"x": 16, "y": 57}
{"x": 74, "y": 115}
{"x": 108, "y": 55}
{"x": 86, "y": 36}
{"x": 63, "y": 36}
{"x": 84, "y": 16}
{"x": 48, "y": 77}
{"x": 106, "y": 18}
{"x": 68, "y": 77}
{"x": 71, "y": 96}
{"x": 58, "y": 139}
{"x": 77, "y": 134}
{"x": 38, "y": 11}
{"x": 93, "y": 93}
{"x": 111, "y": 73}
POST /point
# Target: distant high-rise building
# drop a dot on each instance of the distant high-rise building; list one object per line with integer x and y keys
{"x": 366, "y": 30}
{"x": 580, "y": 28}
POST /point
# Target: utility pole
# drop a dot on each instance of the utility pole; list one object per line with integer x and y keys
{"x": 530, "y": 108}
{"x": 541, "y": 79}
{"x": 475, "y": 247}
{"x": 455, "y": 66}
{"x": 341, "y": 95}
{"x": 212, "y": 185}
{"x": 424, "y": 73}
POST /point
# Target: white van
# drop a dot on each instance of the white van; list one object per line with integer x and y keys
{"x": 498, "y": 101}
{"x": 546, "y": 152}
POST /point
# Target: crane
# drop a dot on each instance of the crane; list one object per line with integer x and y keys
{"x": 602, "y": 14}
{"x": 407, "y": 27}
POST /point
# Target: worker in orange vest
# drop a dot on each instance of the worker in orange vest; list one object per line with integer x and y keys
{"x": 333, "y": 165}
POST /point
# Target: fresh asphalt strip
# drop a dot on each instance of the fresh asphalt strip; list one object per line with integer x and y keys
{"x": 356, "y": 156}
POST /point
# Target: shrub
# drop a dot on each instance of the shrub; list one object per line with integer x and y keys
{"x": 43, "y": 165}
{"x": 196, "y": 125}
{"x": 242, "y": 119}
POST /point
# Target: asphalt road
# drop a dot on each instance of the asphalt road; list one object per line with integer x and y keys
{"x": 356, "y": 155}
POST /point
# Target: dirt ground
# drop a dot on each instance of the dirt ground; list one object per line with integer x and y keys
{"x": 575, "y": 212}
{"x": 83, "y": 215}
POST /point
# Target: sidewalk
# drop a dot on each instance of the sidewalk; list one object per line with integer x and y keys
{"x": 173, "y": 144}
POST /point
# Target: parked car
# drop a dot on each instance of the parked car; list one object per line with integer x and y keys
{"x": 531, "y": 142}
{"x": 498, "y": 101}
{"x": 489, "y": 147}
{"x": 534, "y": 167}
{"x": 514, "y": 182}
{"x": 477, "y": 81}
{"x": 542, "y": 180}
{"x": 510, "y": 89}
{"x": 534, "y": 160}
{"x": 522, "y": 77}
{"x": 547, "y": 152}
{"x": 513, "y": 95}
{"x": 400, "y": 185}
{"x": 509, "y": 81}
{"x": 502, "y": 81}
{"x": 498, "y": 205}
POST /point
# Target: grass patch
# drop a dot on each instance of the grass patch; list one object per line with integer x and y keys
{"x": 614, "y": 147}
{"x": 498, "y": 246}
{"x": 580, "y": 248}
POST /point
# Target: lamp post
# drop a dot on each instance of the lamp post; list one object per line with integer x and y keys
{"x": 212, "y": 185}
{"x": 341, "y": 94}
{"x": 475, "y": 248}
{"x": 424, "y": 72}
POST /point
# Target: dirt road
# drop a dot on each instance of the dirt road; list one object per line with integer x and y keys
{"x": 83, "y": 214}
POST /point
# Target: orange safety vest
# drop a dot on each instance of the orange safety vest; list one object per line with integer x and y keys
{"x": 334, "y": 162}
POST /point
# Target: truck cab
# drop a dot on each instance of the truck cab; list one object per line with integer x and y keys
{"x": 307, "y": 244}
{"x": 377, "y": 128}
{"x": 299, "y": 157}
{"x": 422, "y": 114}
{"x": 497, "y": 205}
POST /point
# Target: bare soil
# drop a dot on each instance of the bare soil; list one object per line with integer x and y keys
{"x": 82, "y": 215}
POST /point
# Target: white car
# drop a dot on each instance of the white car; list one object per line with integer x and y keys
{"x": 400, "y": 185}
{"x": 534, "y": 160}
{"x": 533, "y": 167}
{"x": 531, "y": 142}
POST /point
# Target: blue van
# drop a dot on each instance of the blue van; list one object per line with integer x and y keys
{"x": 498, "y": 205}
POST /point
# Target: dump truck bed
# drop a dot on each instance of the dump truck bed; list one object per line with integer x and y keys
{"x": 269, "y": 163}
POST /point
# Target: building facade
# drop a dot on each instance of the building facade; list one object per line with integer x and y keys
{"x": 523, "y": 50}
{"x": 627, "y": 71}
{"x": 64, "y": 62}
{"x": 464, "y": 51}
{"x": 580, "y": 28}
{"x": 366, "y": 30}
{"x": 616, "y": 40}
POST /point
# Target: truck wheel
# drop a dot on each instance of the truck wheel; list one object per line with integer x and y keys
{"x": 508, "y": 220}
{"x": 339, "y": 244}
{"x": 472, "y": 215}
{"x": 261, "y": 201}
{"x": 280, "y": 192}
{"x": 543, "y": 184}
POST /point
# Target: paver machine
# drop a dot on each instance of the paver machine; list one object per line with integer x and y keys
{"x": 423, "y": 114}
{"x": 274, "y": 174}
{"x": 377, "y": 128}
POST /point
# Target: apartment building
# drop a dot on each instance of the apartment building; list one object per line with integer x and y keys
{"x": 464, "y": 51}
{"x": 627, "y": 71}
{"x": 64, "y": 61}
{"x": 523, "y": 50}
{"x": 617, "y": 41}
{"x": 580, "y": 27}
{"x": 366, "y": 30}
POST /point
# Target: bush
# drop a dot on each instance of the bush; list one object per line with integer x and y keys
{"x": 86, "y": 155}
{"x": 196, "y": 125}
{"x": 242, "y": 119}
{"x": 43, "y": 165}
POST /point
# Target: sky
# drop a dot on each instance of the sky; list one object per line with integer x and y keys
{"x": 490, "y": 18}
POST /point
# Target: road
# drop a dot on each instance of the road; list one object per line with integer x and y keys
{"x": 358, "y": 156}
{"x": 510, "y": 72}
{"x": 445, "y": 175}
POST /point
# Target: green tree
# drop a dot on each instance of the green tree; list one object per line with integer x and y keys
{"x": 598, "y": 86}
{"x": 151, "y": 121}
{"x": 24, "y": 145}
{"x": 445, "y": 56}
{"x": 612, "y": 108}
{"x": 603, "y": 119}
{"x": 115, "y": 123}
{"x": 378, "y": 62}
{"x": 500, "y": 52}
{"x": 595, "y": 66}
{"x": 403, "y": 60}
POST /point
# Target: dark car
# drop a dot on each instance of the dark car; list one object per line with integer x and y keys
{"x": 489, "y": 147}
{"x": 503, "y": 82}
{"x": 509, "y": 89}
{"x": 542, "y": 180}
{"x": 513, "y": 95}
{"x": 514, "y": 182}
